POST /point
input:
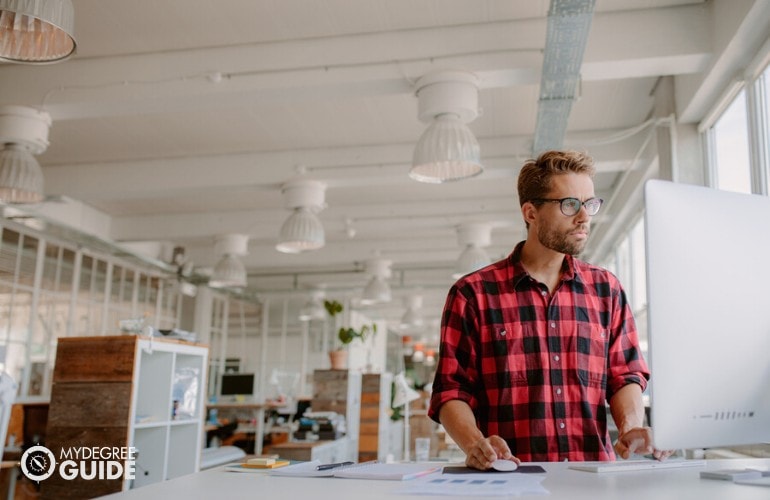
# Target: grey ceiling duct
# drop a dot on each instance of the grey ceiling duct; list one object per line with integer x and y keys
{"x": 569, "y": 22}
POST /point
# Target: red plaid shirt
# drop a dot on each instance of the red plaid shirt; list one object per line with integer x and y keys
{"x": 535, "y": 369}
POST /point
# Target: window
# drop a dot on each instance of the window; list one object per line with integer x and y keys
{"x": 731, "y": 147}
{"x": 52, "y": 289}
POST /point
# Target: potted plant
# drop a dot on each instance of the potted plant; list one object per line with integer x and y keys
{"x": 346, "y": 335}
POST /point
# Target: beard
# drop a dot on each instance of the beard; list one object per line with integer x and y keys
{"x": 562, "y": 242}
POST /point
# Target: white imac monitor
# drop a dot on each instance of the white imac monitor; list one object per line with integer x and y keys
{"x": 708, "y": 291}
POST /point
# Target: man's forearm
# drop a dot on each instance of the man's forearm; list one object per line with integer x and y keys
{"x": 627, "y": 408}
{"x": 460, "y": 423}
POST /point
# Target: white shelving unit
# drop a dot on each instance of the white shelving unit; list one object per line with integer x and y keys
{"x": 167, "y": 431}
{"x": 128, "y": 391}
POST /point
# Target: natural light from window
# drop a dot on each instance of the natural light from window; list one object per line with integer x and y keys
{"x": 731, "y": 143}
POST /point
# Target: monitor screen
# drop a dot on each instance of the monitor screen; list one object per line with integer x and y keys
{"x": 708, "y": 291}
{"x": 237, "y": 384}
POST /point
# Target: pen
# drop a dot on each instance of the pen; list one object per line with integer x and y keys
{"x": 333, "y": 466}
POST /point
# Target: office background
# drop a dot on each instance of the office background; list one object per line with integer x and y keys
{"x": 172, "y": 126}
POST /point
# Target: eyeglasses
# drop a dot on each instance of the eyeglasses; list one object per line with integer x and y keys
{"x": 571, "y": 206}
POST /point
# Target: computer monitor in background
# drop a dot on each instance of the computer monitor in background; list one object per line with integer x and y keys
{"x": 708, "y": 290}
{"x": 237, "y": 384}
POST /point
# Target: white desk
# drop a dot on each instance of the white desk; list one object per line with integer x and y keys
{"x": 562, "y": 483}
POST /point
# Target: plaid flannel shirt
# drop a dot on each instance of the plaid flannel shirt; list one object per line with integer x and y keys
{"x": 538, "y": 369}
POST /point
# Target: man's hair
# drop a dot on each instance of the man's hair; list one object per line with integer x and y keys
{"x": 535, "y": 176}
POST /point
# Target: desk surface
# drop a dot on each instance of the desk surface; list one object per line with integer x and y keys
{"x": 561, "y": 482}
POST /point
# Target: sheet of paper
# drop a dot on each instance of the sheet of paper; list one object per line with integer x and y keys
{"x": 475, "y": 485}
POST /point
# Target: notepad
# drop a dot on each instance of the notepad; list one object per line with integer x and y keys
{"x": 242, "y": 467}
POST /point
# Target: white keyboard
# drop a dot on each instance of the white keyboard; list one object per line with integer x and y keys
{"x": 632, "y": 465}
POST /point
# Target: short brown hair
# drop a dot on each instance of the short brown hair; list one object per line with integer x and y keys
{"x": 535, "y": 176}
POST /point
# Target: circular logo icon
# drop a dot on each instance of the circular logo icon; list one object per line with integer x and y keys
{"x": 38, "y": 463}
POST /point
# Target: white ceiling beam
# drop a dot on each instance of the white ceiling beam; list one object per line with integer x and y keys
{"x": 338, "y": 167}
{"x": 365, "y": 64}
{"x": 740, "y": 29}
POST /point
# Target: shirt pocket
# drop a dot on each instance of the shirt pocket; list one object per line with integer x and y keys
{"x": 507, "y": 355}
{"x": 592, "y": 354}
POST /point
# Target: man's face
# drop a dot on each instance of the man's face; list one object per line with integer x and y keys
{"x": 558, "y": 232}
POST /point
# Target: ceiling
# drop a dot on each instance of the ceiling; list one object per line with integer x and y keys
{"x": 180, "y": 120}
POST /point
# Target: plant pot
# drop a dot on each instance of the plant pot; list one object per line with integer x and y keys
{"x": 338, "y": 359}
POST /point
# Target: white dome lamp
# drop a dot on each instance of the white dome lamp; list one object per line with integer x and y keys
{"x": 314, "y": 307}
{"x": 412, "y": 319}
{"x": 303, "y": 230}
{"x": 377, "y": 290}
{"x": 447, "y": 150}
{"x": 36, "y": 31}
{"x": 230, "y": 271}
{"x": 473, "y": 237}
{"x": 23, "y": 133}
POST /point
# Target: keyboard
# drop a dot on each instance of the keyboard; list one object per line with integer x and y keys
{"x": 633, "y": 465}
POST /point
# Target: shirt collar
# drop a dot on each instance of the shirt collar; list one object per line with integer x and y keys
{"x": 568, "y": 269}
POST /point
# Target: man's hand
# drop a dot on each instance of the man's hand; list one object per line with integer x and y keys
{"x": 485, "y": 451}
{"x": 639, "y": 440}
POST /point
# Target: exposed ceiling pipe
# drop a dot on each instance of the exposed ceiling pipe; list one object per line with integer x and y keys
{"x": 569, "y": 22}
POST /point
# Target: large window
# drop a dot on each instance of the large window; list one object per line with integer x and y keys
{"x": 51, "y": 289}
{"x": 731, "y": 147}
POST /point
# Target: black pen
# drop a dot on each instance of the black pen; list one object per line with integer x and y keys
{"x": 333, "y": 466}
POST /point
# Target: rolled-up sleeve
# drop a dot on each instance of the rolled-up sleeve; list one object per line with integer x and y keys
{"x": 626, "y": 363}
{"x": 456, "y": 372}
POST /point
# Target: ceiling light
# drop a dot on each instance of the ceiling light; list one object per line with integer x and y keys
{"x": 447, "y": 150}
{"x": 23, "y": 133}
{"x": 36, "y": 31}
{"x": 21, "y": 178}
{"x": 412, "y": 319}
{"x": 377, "y": 289}
{"x": 230, "y": 271}
{"x": 472, "y": 237}
{"x": 313, "y": 308}
{"x": 303, "y": 230}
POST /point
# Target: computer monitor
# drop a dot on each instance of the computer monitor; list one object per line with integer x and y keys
{"x": 708, "y": 291}
{"x": 237, "y": 384}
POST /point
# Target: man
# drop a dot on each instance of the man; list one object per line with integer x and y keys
{"x": 533, "y": 346}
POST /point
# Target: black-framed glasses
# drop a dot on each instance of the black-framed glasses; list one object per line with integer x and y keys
{"x": 571, "y": 206}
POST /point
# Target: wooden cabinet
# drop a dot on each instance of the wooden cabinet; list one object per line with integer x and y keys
{"x": 340, "y": 391}
{"x": 127, "y": 391}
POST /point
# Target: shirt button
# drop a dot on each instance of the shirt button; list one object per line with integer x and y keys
{"x": 558, "y": 391}
{"x": 561, "y": 425}
{"x": 556, "y": 358}
{"x": 502, "y": 332}
{"x": 543, "y": 293}
{"x": 553, "y": 325}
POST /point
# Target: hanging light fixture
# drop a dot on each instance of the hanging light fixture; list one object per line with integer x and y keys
{"x": 230, "y": 271}
{"x": 473, "y": 237}
{"x": 23, "y": 133}
{"x": 447, "y": 150}
{"x": 36, "y": 31}
{"x": 303, "y": 230}
{"x": 377, "y": 290}
{"x": 412, "y": 319}
{"x": 313, "y": 308}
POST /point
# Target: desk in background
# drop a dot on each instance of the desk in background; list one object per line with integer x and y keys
{"x": 561, "y": 482}
{"x": 258, "y": 413}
